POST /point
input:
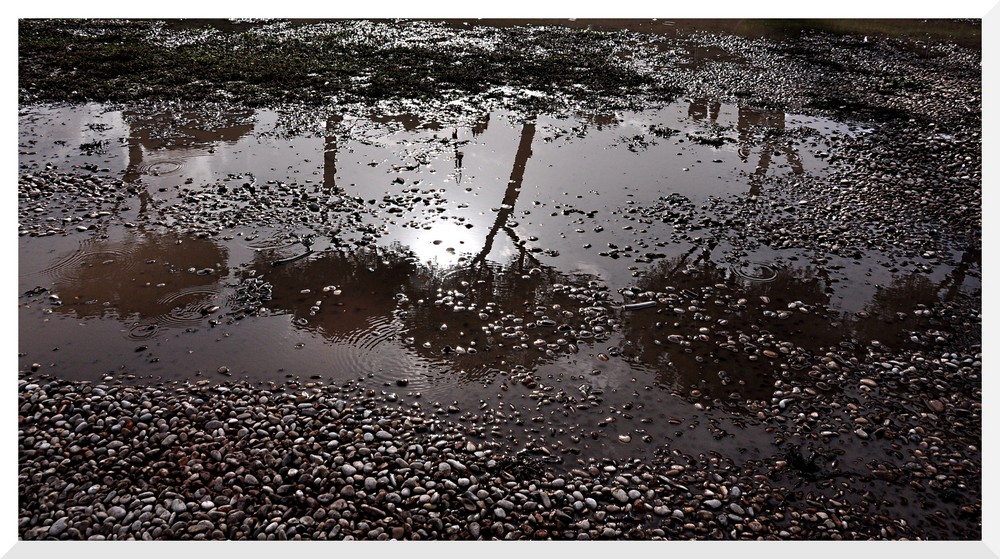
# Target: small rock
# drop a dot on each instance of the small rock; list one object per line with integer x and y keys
{"x": 935, "y": 405}
{"x": 58, "y": 527}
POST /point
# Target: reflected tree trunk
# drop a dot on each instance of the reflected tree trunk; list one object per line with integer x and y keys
{"x": 330, "y": 154}
{"x": 703, "y": 108}
{"x": 132, "y": 172}
{"x": 511, "y": 194}
{"x": 952, "y": 283}
{"x": 768, "y": 120}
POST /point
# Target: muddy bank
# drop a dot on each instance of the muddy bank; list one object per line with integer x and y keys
{"x": 680, "y": 285}
{"x": 263, "y": 62}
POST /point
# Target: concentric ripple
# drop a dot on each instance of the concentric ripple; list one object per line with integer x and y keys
{"x": 755, "y": 271}
{"x": 157, "y": 168}
{"x": 186, "y": 306}
{"x": 91, "y": 253}
{"x": 143, "y": 331}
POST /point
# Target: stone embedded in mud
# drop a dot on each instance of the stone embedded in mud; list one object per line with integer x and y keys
{"x": 935, "y": 405}
{"x": 801, "y": 216}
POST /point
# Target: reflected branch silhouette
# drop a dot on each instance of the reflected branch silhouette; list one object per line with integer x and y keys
{"x": 952, "y": 283}
{"x": 773, "y": 125}
{"x": 511, "y": 194}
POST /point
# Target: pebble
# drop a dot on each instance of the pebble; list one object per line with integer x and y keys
{"x": 58, "y": 527}
{"x": 194, "y": 446}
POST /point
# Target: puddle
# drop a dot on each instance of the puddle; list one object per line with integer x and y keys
{"x": 580, "y": 260}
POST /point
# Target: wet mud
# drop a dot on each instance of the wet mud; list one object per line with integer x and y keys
{"x": 608, "y": 265}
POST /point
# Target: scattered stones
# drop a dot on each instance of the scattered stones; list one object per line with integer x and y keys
{"x": 238, "y": 461}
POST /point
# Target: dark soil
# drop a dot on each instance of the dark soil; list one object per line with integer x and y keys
{"x": 861, "y": 434}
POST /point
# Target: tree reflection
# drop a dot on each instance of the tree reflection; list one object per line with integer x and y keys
{"x": 475, "y": 319}
{"x": 952, "y": 284}
{"x": 178, "y": 131}
{"x": 157, "y": 140}
{"x": 511, "y": 194}
{"x": 721, "y": 334}
{"x": 892, "y": 311}
{"x": 702, "y": 108}
{"x": 770, "y": 126}
{"x": 727, "y": 336}
{"x": 142, "y": 279}
{"x": 339, "y": 294}
{"x": 757, "y": 129}
{"x": 478, "y": 317}
{"x": 330, "y": 153}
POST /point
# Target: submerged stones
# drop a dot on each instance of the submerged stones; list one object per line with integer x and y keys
{"x": 757, "y": 369}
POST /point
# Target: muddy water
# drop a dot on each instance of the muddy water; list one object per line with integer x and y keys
{"x": 572, "y": 267}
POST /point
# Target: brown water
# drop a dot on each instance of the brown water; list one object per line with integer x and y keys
{"x": 491, "y": 259}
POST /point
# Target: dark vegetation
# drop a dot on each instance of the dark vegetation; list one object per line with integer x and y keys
{"x": 280, "y": 61}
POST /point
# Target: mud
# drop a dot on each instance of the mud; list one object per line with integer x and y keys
{"x": 585, "y": 243}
